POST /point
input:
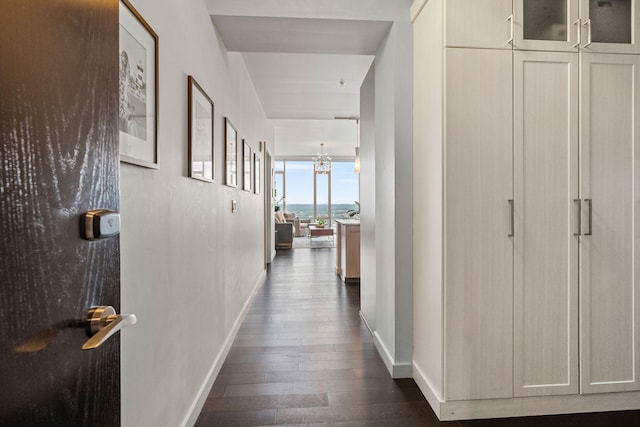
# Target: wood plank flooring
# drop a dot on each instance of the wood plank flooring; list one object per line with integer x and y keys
{"x": 304, "y": 357}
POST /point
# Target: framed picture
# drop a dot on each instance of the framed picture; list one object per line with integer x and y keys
{"x": 230, "y": 153}
{"x": 201, "y": 146}
{"x": 246, "y": 166}
{"x": 256, "y": 173}
{"x": 138, "y": 103}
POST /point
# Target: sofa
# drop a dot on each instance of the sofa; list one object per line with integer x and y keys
{"x": 285, "y": 230}
{"x": 290, "y": 217}
{"x": 284, "y": 235}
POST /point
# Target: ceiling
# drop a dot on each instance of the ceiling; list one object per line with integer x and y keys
{"x": 306, "y": 85}
{"x": 300, "y": 35}
{"x": 306, "y": 72}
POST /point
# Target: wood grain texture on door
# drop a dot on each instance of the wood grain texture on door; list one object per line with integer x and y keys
{"x": 478, "y": 250}
{"x": 609, "y": 253}
{"x": 546, "y": 251}
{"x": 478, "y": 23}
{"x": 58, "y": 159}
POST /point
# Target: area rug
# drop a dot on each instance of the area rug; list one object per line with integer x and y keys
{"x": 317, "y": 243}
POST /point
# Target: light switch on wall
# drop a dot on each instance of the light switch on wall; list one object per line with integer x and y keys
{"x": 234, "y": 206}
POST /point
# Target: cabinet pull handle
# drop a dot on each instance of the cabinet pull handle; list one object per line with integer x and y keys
{"x": 579, "y": 35}
{"x": 587, "y": 24}
{"x": 589, "y": 203}
{"x": 579, "y": 202}
{"x": 510, "y": 19}
{"x": 512, "y": 225}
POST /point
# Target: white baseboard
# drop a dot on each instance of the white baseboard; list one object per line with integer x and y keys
{"x": 402, "y": 370}
{"x": 194, "y": 410}
{"x": 397, "y": 370}
{"x": 544, "y": 405}
{"x": 364, "y": 319}
{"x": 522, "y": 406}
{"x": 428, "y": 390}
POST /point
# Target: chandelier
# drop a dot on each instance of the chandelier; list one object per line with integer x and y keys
{"x": 322, "y": 162}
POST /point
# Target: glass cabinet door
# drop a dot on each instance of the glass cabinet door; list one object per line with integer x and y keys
{"x": 546, "y": 25}
{"x": 609, "y": 26}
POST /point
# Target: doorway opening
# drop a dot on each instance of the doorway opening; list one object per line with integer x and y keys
{"x": 312, "y": 199}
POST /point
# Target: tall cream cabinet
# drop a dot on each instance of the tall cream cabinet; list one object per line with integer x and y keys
{"x": 478, "y": 173}
{"x": 526, "y": 185}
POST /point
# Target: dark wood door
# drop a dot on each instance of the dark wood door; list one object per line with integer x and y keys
{"x": 58, "y": 159}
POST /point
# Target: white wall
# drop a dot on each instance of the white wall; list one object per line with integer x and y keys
{"x": 428, "y": 198}
{"x": 394, "y": 198}
{"x": 189, "y": 265}
{"x": 384, "y": 196}
{"x": 368, "y": 270}
{"x": 403, "y": 201}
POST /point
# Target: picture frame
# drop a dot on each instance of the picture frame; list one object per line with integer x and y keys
{"x": 138, "y": 89}
{"x": 200, "y": 133}
{"x": 256, "y": 173}
{"x": 246, "y": 166}
{"x": 230, "y": 153}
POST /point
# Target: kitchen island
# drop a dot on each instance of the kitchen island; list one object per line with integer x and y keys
{"x": 348, "y": 250}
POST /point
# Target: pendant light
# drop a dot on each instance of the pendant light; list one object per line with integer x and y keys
{"x": 322, "y": 162}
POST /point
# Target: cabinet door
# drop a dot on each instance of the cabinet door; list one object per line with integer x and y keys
{"x": 546, "y": 251}
{"x": 478, "y": 249}
{"x": 610, "y": 26}
{"x": 352, "y": 252}
{"x": 610, "y": 179}
{"x": 478, "y": 23}
{"x": 546, "y": 25}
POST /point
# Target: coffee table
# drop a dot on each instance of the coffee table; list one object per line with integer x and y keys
{"x": 319, "y": 232}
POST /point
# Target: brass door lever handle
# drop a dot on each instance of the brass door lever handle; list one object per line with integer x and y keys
{"x": 102, "y": 322}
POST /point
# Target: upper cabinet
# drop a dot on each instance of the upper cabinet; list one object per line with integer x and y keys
{"x": 608, "y": 26}
{"x": 598, "y": 26}
{"x": 486, "y": 24}
{"x": 546, "y": 25}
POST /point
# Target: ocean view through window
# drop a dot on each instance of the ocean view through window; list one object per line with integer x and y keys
{"x": 298, "y": 188}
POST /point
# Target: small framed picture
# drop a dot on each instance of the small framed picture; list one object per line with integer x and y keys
{"x": 201, "y": 145}
{"x": 256, "y": 173}
{"x": 246, "y": 166}
{"x": 230, "y": 153}
{"x": 138, "y": 76}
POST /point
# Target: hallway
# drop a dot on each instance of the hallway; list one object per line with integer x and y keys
{"x": 304, "y": 357}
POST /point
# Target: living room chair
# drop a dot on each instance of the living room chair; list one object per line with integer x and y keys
{"x": 284, "y": 235}
{"x": 291, "y": 217}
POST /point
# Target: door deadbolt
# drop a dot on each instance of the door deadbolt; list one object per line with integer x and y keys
{"x": 99, "y": 224}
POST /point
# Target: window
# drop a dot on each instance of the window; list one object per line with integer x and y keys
{"x": 330, "y": 198}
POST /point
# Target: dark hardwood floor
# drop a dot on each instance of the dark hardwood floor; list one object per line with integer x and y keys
{"x": 304, "y": 357}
